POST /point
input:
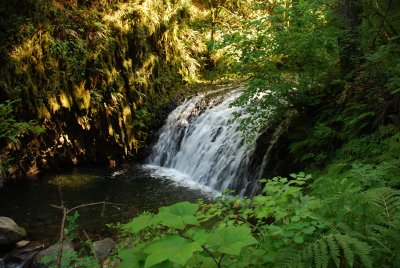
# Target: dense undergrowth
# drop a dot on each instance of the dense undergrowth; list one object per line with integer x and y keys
{"x": 294, "y": 223}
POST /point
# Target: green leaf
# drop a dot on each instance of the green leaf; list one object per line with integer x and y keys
{"x": 201, "y": 261}
{"x": 299, "y": 239}
{"x": 181, "y": 209}
{"x": 173, "y": 248}
{"x": 275, "y": 230}
{"x": 199, "y": 235}
{"x": 231, "y": 239}
{"x": 288, "y": 234}
{"x": 132, "y": 257}
{"x": 178, "y": 215}
{"x": 139, "y": 223}
{"x": 309, "y": 230}
{"x": 295, "y": 218}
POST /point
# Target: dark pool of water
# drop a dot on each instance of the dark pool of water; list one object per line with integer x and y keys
{"x": 137, "y": 188}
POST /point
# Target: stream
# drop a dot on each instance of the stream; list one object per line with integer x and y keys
{"x": 138, "y": 187}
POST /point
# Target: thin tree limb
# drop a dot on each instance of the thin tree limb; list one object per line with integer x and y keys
{"x": 68, "y": 211}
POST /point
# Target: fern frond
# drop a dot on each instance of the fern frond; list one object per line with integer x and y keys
{"x": 387, "y": 200}
{"x": 334, "y": 250}
{"x": 321, "y": 257}
{"x": 344, "y": 243}
{"x": 340, "y": 228}
{"x": 352, "y": 247}
{"x": 329, "y": 250}
{"x": 290, "y": 258}
{"x": 363, "y": 252}
{"x": 375, "y": 236}
{"x": 307, "y": 253}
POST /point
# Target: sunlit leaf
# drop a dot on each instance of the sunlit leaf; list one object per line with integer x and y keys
{"x": 178, "y": 215}
{"x": 173, "y": 248}
{"x": 139, "y": 223}
{"x": 231, "y": 240}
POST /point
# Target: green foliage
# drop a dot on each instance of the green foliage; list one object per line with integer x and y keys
{"x": 230, "y": 239}
{"x": 289, "y": 52}
{"x": 71, "y": 229}
{"x": 175, "y": 235}
{"x": 329, "y": 250}
{"x": 10, "y": 128}
{"x": 178, "y": 215}
{"x": 316, "y": 146}
{"x": 383, "y": 232}
{"x": 297, "y": 222}
{"x": 67, "y": 258}
{"x": 173, "y": 248}
{"x": 294, "y": 53}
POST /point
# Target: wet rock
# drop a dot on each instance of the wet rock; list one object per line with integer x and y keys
{"x": 272, "y": 155}
{"x": 10, "y": 233}
{"x": 22, "y": 258}
{"x": 103, "y": 248}
{"x": 49, "y": 255}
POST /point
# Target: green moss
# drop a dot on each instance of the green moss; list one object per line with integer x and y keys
{"x": 96, "y": 61}
{"x": 73, "y": 180}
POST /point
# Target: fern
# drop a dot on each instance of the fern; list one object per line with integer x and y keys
{"x": 363, "y": 252}
{"x": 341, "y": 228}
{"x": 344, "y": 242}
{"x": 321, "y": 256}
{"x": 387, "y": 201}
{"x": 332, "y": 249}
{"x": 383, "y": 234}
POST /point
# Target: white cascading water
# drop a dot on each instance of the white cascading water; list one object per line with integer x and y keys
{"x": 205, "y": 144}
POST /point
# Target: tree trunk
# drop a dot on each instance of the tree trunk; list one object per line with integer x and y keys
{"x": 349, "y": 12}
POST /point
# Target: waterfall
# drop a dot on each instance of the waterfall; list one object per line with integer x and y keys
{"x": 202, "y": 140}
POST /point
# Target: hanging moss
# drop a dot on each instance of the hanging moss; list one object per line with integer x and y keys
{"x": 86, "y": 68}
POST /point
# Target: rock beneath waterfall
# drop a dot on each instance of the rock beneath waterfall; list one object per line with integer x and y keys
{"x": 10, "y": 233}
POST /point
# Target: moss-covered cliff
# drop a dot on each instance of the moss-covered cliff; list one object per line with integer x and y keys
{"x": 91, "y": 73}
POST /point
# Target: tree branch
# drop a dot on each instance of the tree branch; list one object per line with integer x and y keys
{"x": 68, "y": 211}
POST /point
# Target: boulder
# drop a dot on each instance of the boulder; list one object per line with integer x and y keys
{"x": 10, "y": 233}
{"x": 103, "y": 248}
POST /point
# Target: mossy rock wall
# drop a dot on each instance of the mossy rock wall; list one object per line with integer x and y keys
{"x": 91, "y": 73}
